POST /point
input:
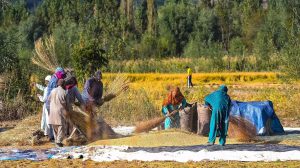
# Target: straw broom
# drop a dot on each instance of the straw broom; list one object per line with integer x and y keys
{"x": 44, "y": 55}
{"x": 146, "y": 126}
{"x": 118, "y": 86}
{"x": 241, "y": 129}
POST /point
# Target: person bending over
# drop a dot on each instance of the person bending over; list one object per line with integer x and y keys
{"x": 220, "y": 102}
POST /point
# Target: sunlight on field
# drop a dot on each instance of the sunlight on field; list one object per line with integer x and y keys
{"x": 147, "y": 91}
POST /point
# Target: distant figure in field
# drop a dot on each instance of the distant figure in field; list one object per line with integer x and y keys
{"x": 219, "y": 101}
{"x": 174, "y": 101}
{"x": 189, "y": 77}
{"x": 58, "y": 112}
{"x": 93, "y": 89}
{"x": 44, "y": 121}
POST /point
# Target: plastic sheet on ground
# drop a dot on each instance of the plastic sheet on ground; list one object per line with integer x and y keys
{"x": 233, "y": 152}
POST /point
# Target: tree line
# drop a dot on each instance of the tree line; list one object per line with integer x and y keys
{"x": 236, "y": 35}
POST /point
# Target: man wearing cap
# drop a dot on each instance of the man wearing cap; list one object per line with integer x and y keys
{"x": 44, "y": 122}
{"x": 93, "y": 89}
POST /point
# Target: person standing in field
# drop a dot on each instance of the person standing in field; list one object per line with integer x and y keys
{"x": 189, "y": 77}
{"x": 59, "y": 74}
{"x": 58, "y": 112}
{"x": 72, "y": 93}
{"x": 93, "y": 90}
{"x": 219, "y": 101}
{"x": 44, "y": 121}
{"x": 174, "y": 101}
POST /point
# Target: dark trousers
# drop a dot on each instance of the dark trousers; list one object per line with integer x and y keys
{"x": 189, "y": 81}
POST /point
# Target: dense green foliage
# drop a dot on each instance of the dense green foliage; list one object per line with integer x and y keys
{"x": 232, "y": 35}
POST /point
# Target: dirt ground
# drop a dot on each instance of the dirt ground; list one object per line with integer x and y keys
{"x": 126, "y": 164}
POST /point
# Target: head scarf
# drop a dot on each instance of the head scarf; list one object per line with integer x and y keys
{"x": 59, "y": 73}
{"x": 223, "y": 88}
{"x": 175, "y": 97}
{"x": 48, "y": 78}
{"x": 71, "y": 83}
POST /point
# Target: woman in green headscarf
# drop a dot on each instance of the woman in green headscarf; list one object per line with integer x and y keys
{"x": 220, "y": 102}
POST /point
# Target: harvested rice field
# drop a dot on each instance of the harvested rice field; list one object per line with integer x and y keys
{"x": 165, "y": 148}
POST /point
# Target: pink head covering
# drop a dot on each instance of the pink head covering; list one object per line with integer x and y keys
{"x": 59, "y": 73}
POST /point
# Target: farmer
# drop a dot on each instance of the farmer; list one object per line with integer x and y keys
{"x": 189, "y": 77}
{"x": 93, "y": 90}
{"x": 219, "y": 101}
{"x": 59, "y": 74}
{"x": 58, "y": 111}
{"x": 44, "y": 122}
{"x": 174, "y": 101}
{"x": 72, "y": 93}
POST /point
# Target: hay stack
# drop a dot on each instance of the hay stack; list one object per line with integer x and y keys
{"x": 241, "y": 129}
{"x": 44, "y": 55}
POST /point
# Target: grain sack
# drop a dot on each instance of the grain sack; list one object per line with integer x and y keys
{"x": 204, "y": 114}
{"x": 186, "y": 117}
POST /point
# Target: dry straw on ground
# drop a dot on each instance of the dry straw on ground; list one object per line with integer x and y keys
{"x": 21, "y": 134}
{"x": 241, "y": 129}
{"x": 44, "y": 55}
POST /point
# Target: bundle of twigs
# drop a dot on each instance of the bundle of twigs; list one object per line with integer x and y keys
{"x": 146, "y": 126}
{"x": 241, "y": 129}
{"x": 80, "y": 119}
{"x": 44, "y": 55}
{"x": 118, "y": 86}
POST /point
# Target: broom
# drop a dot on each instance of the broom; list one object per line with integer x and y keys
{"x": 146, "y": 126}
{"x": 119, "y": 85}
{"x": 241, "y": 129}
{"x": 44, "y": 55}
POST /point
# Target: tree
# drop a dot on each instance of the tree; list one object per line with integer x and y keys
{"x": 175, "y": 25}
{"x": 87, "y": 58}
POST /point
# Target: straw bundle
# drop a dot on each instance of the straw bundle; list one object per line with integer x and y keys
{"x": 149, "y": 125}
{"x": 44, "y": 55}
{"x": 80, "y": 119}
{"x": 116, "y": 87}
{"x": 91, "y": 126}
{"x": 146, "y": 126}
{"x": 241, "y": 129}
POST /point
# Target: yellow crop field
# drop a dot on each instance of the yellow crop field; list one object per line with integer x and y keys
{"x": 147, "y": 91}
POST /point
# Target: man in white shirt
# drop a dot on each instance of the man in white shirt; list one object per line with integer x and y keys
{"x": 44, "y": 121}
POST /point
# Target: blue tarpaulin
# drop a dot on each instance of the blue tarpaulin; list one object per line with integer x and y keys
{"x": 260, "y": 113}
